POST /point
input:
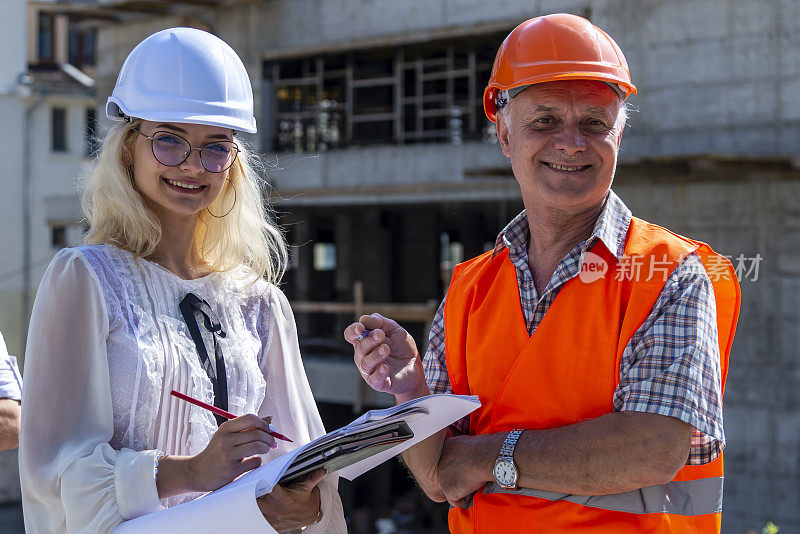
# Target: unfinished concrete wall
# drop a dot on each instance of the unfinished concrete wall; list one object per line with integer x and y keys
{"x": 747, "y": 212}
{"x": 714, "y": 76}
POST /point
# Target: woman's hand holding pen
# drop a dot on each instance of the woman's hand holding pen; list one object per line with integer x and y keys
{"x": 232, "y": 451}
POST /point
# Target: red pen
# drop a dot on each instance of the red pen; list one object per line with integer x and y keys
{"x": 221, "y": 412}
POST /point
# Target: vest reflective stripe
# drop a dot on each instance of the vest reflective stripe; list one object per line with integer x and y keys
{"x": 567, "y": 372}
{"x": 688, "y": 497}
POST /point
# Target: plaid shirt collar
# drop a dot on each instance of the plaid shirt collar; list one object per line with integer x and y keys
{"x": 611, "y": 228}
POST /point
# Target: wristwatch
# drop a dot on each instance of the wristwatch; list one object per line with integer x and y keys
{"x": 505, "y": 470}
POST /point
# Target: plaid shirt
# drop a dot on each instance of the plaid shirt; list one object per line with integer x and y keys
{"x": 671, "y": 364}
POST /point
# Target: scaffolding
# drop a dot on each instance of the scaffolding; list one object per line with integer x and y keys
{"x": 422, "y": 92}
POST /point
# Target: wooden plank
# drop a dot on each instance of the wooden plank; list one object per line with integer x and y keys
{"x": 320, "y": 77}
{"x": 473, "y": 114}
{"x": 436, "y": 113}
{"x": 374, "y": 82}
{"x": 425, "y": 98}
{"x": 305, "y": 91}
{"x": 418, "y": 89}
{"x": 297, "y": 81}
{"x": 298, "y": 114}
{"x": 348, "y": 99}
{"x": 398, "y": 96}
{"x": 374, "y": 117}
{"x": 400, "y": 312}
{"x": 429, "y": 134}
{"x": 450, "y": 83}
{"x": 446, "y": 75}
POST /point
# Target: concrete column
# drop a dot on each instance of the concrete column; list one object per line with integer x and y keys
{"x": 347, "y": 246}
{"x": 302, "y": 240}
{"x": 416, "y": 256}
{"x": 371, "y": 252}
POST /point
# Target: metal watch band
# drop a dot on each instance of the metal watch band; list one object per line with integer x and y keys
{"x": 509, "y": 444}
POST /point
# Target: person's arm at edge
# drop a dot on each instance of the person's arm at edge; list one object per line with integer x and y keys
{"x": 9, "y": 423}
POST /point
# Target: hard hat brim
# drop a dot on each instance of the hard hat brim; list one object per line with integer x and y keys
{"x": 490, "y": 108}
{"x": 116, "y": 111}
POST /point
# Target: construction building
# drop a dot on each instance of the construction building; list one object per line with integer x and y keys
{"x": 48, "y": 135}
{"x": 385, "y": 173}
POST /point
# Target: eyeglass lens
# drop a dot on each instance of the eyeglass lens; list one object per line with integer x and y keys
{"x": 172, "y": 150}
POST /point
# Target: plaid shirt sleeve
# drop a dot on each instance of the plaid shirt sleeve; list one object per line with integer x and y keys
{"x": 435, "y": 366}
{"x": 671, "y": 366}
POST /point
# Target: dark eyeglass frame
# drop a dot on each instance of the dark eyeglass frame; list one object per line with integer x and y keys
{"x": 200, "y": 149}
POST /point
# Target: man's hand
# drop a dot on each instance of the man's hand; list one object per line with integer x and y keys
{"x": 9, "y": 423}
{"x": 295, "y": 505}
{"x": 388, "y": 361}
{"x": 387, "y": 358}
{"x": 466, "y": 466}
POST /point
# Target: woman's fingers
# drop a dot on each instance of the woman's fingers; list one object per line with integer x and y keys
{"x": 250, "y": 436}
{"x": 243, "y": 422}
{"x": 250, "y": 449}
{"x": 249, "y": 464}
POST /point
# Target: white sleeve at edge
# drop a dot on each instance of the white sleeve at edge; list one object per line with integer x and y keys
{"x": 72, "y": 479}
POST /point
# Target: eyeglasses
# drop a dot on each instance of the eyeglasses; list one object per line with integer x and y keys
{"x": 171, "y": 149}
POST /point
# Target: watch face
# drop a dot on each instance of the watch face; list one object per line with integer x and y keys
{"x": 505, "y": 473}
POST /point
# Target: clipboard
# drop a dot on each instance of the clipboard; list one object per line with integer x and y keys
{"x": 347, "y": 450}
{"x": 370, "y": 440}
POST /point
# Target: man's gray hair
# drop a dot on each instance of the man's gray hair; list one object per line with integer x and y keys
{"x": 503, "y": 102}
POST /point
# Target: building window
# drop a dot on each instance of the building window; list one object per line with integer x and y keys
{"x": 59, "y": 130}
{"x": 324, "y": 256}
{"x": 425, "y": 92}
{"x": 46, "y": 37}
{"x": 90, "y": 137}
{"x": 82, "y": 45}
{"x": 58, "y": 237}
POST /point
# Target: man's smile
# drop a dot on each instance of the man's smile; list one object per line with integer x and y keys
{"x": 565, "y": 168}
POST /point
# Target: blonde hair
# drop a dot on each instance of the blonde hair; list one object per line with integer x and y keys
{"x": 117, "y": 214}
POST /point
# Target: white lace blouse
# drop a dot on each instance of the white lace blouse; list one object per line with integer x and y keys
{"x": 107, "y": 343}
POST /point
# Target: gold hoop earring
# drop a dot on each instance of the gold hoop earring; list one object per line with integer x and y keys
{"x": 129, "y": 172}
{"x": 232, "y": 205}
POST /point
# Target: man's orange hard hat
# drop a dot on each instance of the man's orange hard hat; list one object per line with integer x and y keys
{"x": 556, "y": 47}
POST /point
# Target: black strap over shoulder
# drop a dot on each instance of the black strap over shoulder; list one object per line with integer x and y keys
{"x": 190, "y": 306}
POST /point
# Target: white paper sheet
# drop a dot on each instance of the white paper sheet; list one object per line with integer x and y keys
{"x": 233, "y": 507}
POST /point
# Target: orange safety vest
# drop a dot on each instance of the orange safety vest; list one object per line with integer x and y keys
{"x": 567, "y": 372}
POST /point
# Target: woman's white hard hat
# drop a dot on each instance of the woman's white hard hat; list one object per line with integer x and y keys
{"x": 184, "y": 75}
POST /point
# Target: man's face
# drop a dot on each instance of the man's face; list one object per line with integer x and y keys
{"x": 563, "y": 138}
